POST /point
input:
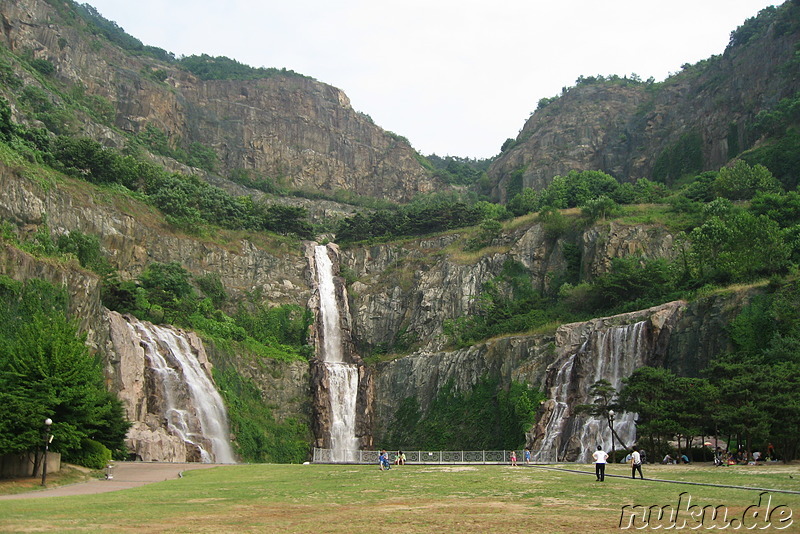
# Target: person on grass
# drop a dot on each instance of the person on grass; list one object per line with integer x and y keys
{"x": 600, "y": 457}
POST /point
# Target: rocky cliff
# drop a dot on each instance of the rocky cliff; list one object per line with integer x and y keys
{"x": 292, "y": 129}
{"x": 407, "y": 292}
{"x": 622, "y": 128}
{"x": 400, "y": 293}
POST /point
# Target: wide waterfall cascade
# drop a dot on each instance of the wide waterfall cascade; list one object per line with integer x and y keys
{"x": 342, "y": 377}
{"x": 193, "y": 408}
{"x": 611, "y": 355}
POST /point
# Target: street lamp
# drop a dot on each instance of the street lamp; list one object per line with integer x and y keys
{"x": 48, "y": 437}
{"x": 611, "y": 424}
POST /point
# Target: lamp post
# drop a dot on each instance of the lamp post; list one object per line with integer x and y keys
{"x": 611, "y": 424}
{"x": 47, "y": 438}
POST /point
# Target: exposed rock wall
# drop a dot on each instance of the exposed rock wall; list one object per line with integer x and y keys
{"x": 133, "y": 236}
{"x": 409, "y": 291}
{"x": 622, "y": 129}
{"x": 293, "y": 129}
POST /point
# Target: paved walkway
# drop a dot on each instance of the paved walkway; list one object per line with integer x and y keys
{"x": 126, "y": 475}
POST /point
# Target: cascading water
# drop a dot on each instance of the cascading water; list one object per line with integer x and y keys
{"x": 611, "y": 355}
{"x": 192, "y": 408}
{"x": 342, "y": 376}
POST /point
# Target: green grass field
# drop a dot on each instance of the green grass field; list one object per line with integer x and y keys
{"x": 412, "y": 499}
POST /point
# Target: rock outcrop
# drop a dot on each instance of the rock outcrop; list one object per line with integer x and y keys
{"x": 299, "y": 132}
{"x": 622, "y": 128}
{"x": 410, "y": 291}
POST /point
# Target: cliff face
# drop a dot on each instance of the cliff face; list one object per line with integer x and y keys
{"x": 407, "y": 292}
{"x": 133, "y": 236}
{"x": 295, "y": 130}
{"x": 622, "y": 129}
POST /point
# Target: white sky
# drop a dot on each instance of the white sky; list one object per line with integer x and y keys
{"x": 456, "y": 77}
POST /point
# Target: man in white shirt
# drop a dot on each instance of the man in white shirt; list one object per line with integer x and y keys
{"x": 600, "y": 457}
{"x": 636, "y": 463}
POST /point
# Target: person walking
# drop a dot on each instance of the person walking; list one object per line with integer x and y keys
{"x": 600, "y": 457}
{"x": 514, "y": 458}
{"x": 636, "y": 463}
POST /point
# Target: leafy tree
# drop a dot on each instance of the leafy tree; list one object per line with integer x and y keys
{"x": 667, "y": 406}
{"x": 742, "y": 182}
{"x": 46, "y": 371}
{"x": 599, "y": 208}
{"x": 738, "y": 246}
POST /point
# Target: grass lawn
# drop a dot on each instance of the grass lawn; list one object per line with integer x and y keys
{"x": 409, "y": 499}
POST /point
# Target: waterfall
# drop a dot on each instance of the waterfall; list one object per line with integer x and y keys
{"x": 191, "y": 407}
{"x": 611, "y": 354}
{"x": 342, "y": 377}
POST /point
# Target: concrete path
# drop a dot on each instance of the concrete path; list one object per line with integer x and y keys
{"x": 125, "y": 475}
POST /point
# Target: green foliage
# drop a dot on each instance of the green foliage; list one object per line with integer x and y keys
{"x": 46, "y": 371}
{"x": 164, "y": 294}
{"x": 258, "y": 435}
{"x": 753, "y": 27}
{"x": 632, "y": 283}
{"x": 668, "y": 406}
{"x": 508, "y": 304}
{"x": 425, "y": 215}
{"x": 749, "y": 393}
{"x": 781, "y": 155}
{"x": 736, "y": 245}
{"x": 195, "y": 155}
{"x": 683, "y": 157}
{"x": 599, "y": 208}
{"x": 223, "y": 68}
{"x": 86, "y": 248}
{"x": 8, "y": 77}
{"x": 484, "y": 418}
{"x": 286, "y": 325}
{"x": 43, "y": 66}
{"x": 585, "y": 188}
{"x": 91, "y": 454}
{"x": 742, "y": 182}
{"x": 110, "y": 30}
{"x": 248, "y": 178}
{"x": 211, "y": 285}
{"x": 459, "y": 171}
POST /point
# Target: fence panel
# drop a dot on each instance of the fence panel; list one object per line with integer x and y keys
{"x": 327, "y": 456}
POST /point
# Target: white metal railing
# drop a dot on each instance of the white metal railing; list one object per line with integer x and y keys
{"x": 330, "y": 456}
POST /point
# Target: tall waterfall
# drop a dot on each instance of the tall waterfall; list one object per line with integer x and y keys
{"x": 182, "y": 394}
{"x": 611, "y": 354}
{"x": 342, "y": 376}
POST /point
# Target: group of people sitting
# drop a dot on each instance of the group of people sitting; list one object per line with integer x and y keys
{"x": 682, "y": 459}
{"x": 383, "y": 459}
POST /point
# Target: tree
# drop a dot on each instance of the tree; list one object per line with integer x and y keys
{"x": 46, "y": 370}
{"x": 742, "y": 182}
{"x": 605, "y": 400}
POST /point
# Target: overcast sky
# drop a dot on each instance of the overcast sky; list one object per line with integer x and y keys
{"x": 456, "y": 77}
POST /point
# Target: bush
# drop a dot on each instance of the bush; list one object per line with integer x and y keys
{"x": 92, "y": 454}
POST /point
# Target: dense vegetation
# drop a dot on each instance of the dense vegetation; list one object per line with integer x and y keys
{"x": 188, "y": 202}
{"x": 485, "y": 418}
{"x": 719, "y": 242}
{"x": 46, "y": 370}
{"x": 747, "y": 397}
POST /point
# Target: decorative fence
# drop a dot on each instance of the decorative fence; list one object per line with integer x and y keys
{"x": 330, "y": 456}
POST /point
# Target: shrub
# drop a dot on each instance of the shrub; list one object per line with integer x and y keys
{"x": 92, "y": 454}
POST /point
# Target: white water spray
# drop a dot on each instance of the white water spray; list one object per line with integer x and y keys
{"x": 342, "y": 377}
{"x": 193, "y": 409}
{"x": 611, "y": 355}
